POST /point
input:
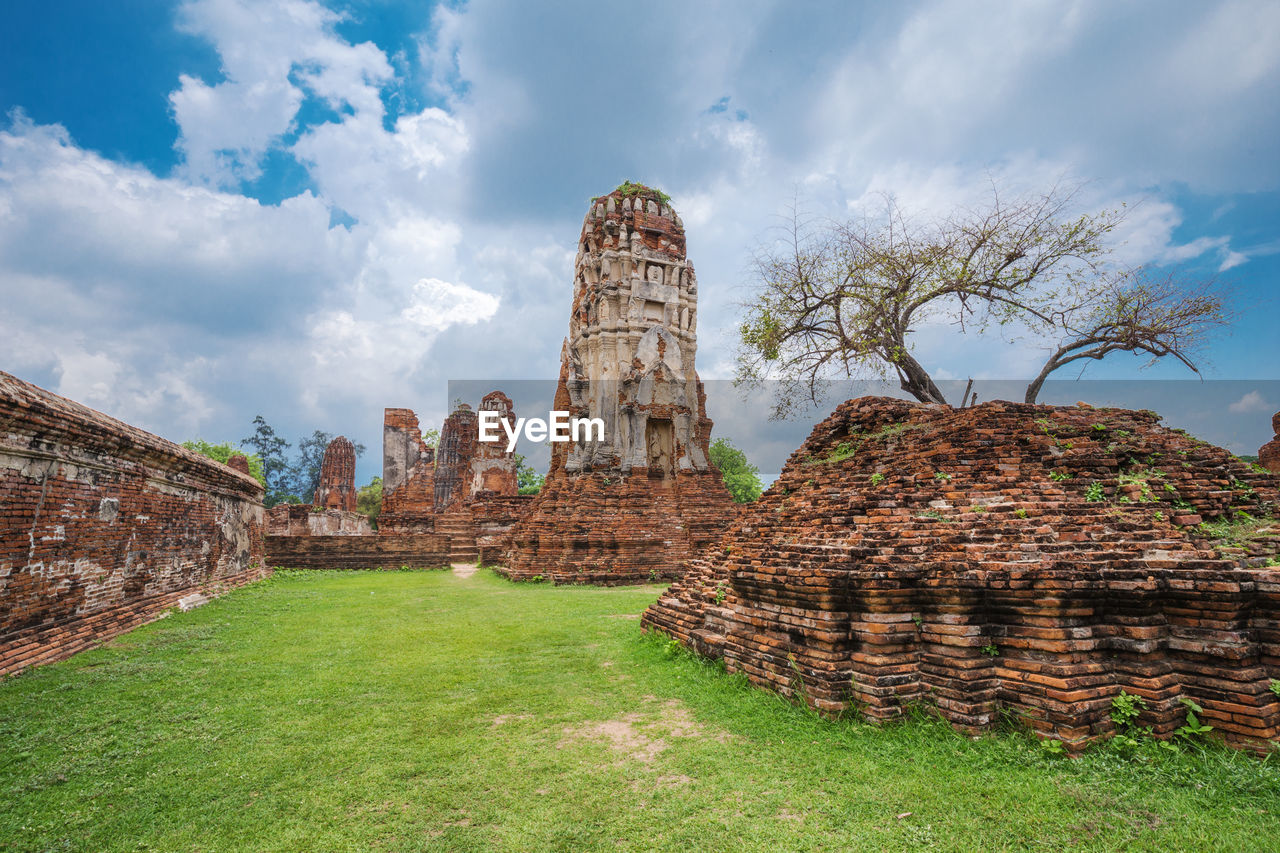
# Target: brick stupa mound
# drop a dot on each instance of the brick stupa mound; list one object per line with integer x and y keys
{"x": 631, "y": 505}
{"x": 1034, "y": 559}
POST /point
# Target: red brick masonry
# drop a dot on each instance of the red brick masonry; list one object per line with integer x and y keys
{"x": 415, "y": 551}
{"x": 104, "y": 526}
{"x": 1269, "y": 453}
{"x": 1035, "y": 559}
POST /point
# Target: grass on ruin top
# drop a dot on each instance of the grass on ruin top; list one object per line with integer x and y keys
{"x": 629, "y": 189}
{"x": 421, "y": 710}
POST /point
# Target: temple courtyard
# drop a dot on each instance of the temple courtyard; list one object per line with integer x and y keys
{"x": 456, "y": 710}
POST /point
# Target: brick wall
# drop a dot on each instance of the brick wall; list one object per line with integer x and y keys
{"x": 608, "y": 530}
{"x": 104, "y": 526}
{"x": 427, "y": 551}
{"x": 1032, "y": 559}
{"x": 309, "y": 520}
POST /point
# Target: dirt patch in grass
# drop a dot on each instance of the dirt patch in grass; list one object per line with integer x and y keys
{"x": 624, "y": 735}
{"x": 464, "y": 570}
{"x": 643, "y": 736}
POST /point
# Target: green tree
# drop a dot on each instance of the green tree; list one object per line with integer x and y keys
{"x": 270, "y": 449}
{"x": 304, "y": 473}
{"x": 222, "y": 452}
{"x": 839, "y": 299}
{"x": 741, "y": 478}
{"x": 528, "y": 481}
{"x": 369, "y": 500}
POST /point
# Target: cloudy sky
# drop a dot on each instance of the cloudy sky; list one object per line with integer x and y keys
{"x": 313, "y": 210}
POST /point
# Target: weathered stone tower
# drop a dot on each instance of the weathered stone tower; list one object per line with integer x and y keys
{"x": 493, "y": 469}
{"x": 458, "y": 443}
{"x": 627, "y": 508}
{"x": 338, "y": 476}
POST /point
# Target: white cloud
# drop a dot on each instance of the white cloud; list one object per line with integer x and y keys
{"x": 1251, "y": 402}
{"x": 738, "y": 138}
{"x": 227, "y": 127}
{"x": 1146, "y": 237}
{"x": 147, "y": 296}
{"x": 377, "y": 174}
{"x": 438, "y": 51}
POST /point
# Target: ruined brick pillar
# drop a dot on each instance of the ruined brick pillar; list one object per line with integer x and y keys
{"x": 1269, "y": 453}
{"x": 408, "y": 476}
{"x": 338, "y": 476}
{"x": 458, "y": 439}
{"x": 627, "y": 507}
{"x": 493, "y": 468}
{"x": 238, "y": 462}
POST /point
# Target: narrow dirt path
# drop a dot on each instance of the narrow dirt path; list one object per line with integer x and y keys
{"x": 465, "y": 570}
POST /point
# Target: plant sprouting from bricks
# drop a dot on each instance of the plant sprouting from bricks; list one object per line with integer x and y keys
{"x": 1192, "y": 728}
{"x": 1125, "y": 710}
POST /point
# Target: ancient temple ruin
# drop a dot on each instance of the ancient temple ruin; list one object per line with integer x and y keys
{"x": 1032, "y": 560}
{"x": 493, "y": 468}
{"x": 453, "y": 456}
{"x": 408, "y": 476}
{"x": 630, "y": 507}
{"x": 332, "y": 511}
{"x": 337, "y": 489}
{"x": 464, "y": 490}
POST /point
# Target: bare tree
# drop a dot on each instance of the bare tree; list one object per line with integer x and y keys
{"x": 1131, "y": 313}
{"x": 844, "y": 298}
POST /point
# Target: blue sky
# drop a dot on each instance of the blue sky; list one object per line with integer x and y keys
{"x": 217, "y": 208}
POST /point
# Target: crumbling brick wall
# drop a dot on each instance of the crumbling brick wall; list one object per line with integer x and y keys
{"x": 308, "y": 520}
{"x": 238, "y": 462}
{"x": 495, "y": 517}
{"x": 408, "y": 476}
{"x": 409, "y": 550}
{"x": 1034, "y": 559}
{"x": 104, "y": 526}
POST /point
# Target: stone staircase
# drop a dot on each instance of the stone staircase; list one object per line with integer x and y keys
{"x": 461, "y": 533}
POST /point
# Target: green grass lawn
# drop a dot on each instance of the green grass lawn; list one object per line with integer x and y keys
{"x": 406, "y": 711}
